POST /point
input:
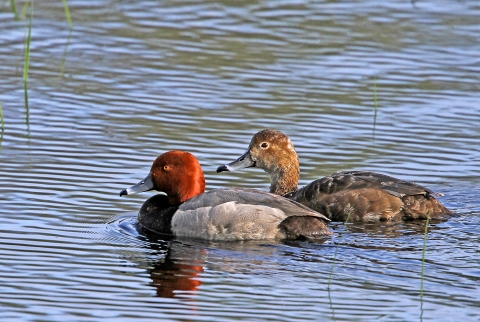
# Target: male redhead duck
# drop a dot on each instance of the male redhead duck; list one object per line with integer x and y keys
{"x": 352, "y": 195}
{"x": 220, "y": 214}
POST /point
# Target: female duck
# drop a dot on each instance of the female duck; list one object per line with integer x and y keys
{"x": 221, "y": 214}
{"x": 356, "y": 195}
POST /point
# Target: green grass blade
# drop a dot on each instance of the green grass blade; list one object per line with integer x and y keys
{"x": 23, "y": 15}
{"x": 13, "y": 7}
{"x": 27, "y": 47}
{"x": 27, "y": 61}
{"x": 67, "y": 14}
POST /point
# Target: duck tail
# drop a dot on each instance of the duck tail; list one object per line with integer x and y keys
{"x": 305, "y": 227}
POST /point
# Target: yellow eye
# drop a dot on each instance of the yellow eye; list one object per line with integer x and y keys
{"x": 264, "y": 145}
{"x": 166, "y": 167}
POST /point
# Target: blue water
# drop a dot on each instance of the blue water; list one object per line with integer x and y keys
{"x": 133, "y": 80}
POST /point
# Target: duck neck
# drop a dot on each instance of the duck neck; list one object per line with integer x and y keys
{"x": 184, "y": 187}
{"x": 285, "y": 179}
{"x": 186, "y": 190}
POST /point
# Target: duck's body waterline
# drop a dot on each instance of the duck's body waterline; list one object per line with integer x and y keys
{"x": 220, "y": 214}
{"x": 354, "y": 195}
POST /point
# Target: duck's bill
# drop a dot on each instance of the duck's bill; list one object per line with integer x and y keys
{"x": 144, "y": 185}
{"x": 245, "y": 161}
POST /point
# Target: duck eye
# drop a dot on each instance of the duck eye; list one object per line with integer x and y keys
{"x": 166, "y": 167}
{"x": 264, "y": 145}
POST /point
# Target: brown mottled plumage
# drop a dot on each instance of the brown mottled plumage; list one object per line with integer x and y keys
{"x": 353, "y": 195}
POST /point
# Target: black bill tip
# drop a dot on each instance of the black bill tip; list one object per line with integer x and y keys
{"x": 222, "y": 168}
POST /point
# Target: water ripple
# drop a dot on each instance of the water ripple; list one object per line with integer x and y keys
{"x": 133, "y": 80}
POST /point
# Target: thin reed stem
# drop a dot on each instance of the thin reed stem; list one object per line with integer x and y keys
{"x": 13, "y": 7}
{"x": 23, "y": 15}
{"x": 67, "y": 14}
{"x": 423, "y": 256}
{"x": 335, "y": 255}
{"x": 1, "y": 118}
{"x": 27, "y": 61}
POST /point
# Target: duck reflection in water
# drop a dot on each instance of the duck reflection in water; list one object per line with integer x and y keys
{"x": 180, "y": 262}
{"x": 178, "y": 271}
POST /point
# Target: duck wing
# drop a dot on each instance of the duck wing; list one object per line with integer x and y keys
{"x": 250, "y": 197}
{"x": 242, "y": 214}
{"x": 352, "y": 180}
{"x": 369, "y": 196}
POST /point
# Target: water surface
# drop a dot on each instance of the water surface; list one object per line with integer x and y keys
{"x": 136, "y": 79}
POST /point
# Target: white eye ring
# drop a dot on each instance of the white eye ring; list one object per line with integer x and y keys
{"x": 264, "y": 145}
